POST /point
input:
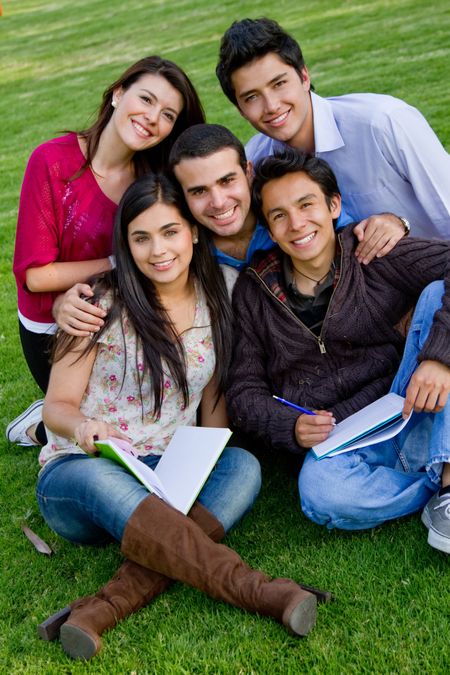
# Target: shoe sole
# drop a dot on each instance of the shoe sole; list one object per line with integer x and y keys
{"x": 12, "y": 425}
{"x": 77, "y": 643}
{"x": 303, "y": 617}
{"x": 435, "y": 539}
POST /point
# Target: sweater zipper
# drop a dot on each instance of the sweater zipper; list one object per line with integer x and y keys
{"x": 291, "y": 313}
{"x": 318, "y": 338}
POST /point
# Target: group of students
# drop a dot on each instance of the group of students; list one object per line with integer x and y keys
{"x": 164, "y": 211}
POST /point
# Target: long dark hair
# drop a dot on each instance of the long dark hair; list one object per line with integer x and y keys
{"x": 155, "y": 158}
{"x": 135, "y": 295}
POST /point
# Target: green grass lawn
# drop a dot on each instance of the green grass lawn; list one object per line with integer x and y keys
{"x": 392, "y": 611}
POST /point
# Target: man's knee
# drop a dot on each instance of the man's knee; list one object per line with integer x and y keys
{"x": 431, "y": 297}
{"x": 329, "y": 489}
{"x": 319, "y": 495}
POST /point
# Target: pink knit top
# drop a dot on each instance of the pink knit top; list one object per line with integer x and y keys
{"x": 60, "y": 220}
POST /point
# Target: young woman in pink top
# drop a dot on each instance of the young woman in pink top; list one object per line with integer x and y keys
{"x": 69, "y": 197}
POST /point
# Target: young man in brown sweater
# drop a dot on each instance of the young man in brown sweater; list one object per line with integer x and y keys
{"x": 319, "y": 329}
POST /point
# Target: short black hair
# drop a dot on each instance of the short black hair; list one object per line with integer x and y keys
{"x": 292, "y": 161}
{"x": 251, "y": 39}
{"x": 203, "y": 140}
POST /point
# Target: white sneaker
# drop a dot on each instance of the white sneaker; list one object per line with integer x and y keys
{"x": 16, "y": 431}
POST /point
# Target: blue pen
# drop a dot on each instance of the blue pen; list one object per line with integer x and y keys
{"x": 294, "y": 405}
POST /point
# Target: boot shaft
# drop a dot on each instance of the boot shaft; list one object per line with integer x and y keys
{"x": 163, "y": 539}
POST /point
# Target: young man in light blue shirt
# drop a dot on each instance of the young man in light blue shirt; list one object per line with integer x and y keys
{"x": 210, "y": 164}
{"x": 385, "y": 155}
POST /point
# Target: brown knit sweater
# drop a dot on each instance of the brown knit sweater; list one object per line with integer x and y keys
{"x": 355, "y": 357}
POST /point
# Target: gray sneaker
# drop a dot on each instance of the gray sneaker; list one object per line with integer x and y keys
{"x": 436, "y": 517}
{"x": 16, "y": 431}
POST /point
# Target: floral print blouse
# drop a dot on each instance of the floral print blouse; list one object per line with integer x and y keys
{"x": 113, "y": 389}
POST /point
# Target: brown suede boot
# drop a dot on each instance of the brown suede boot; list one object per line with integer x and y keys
{"x": 132, "y": 587}
{"x": 161, "y": 538}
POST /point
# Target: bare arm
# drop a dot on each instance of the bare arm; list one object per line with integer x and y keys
{"x": 68, "y": 381}
{"x": 213, "y": 416}
{"x": 377, "y": 235}
{"x": 59, "y": 276}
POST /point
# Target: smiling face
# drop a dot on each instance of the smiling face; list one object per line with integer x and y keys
{"x": 145, "y": 112}
{"x": 300, "y": 220}
{"x": 161, "y": 244}
{"x": 271, "y": 95}
{"x": 217, "y": 191}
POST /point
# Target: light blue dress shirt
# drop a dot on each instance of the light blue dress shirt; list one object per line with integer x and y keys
{"x": 385, "y": 156}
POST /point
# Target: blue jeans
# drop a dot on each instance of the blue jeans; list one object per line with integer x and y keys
{"x": 88, "y": 501}
{"x": 363, "y": 488}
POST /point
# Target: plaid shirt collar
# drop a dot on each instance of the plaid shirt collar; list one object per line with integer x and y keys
{"x": 270, "y": 269}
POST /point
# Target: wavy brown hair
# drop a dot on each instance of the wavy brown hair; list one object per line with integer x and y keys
{"x": 155, "y": 158}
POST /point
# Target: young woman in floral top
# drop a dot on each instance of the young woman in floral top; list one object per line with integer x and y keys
{"x": 161, "y": 357}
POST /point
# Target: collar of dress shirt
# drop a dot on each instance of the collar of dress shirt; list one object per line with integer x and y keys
{"x": 327, "y": 136}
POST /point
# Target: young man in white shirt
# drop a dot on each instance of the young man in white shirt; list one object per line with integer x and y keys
{"x": 384, "y": 154}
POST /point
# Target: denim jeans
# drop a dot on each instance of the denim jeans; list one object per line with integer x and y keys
{"x": 366, "y": 487}
{"x": 88, "y": 501}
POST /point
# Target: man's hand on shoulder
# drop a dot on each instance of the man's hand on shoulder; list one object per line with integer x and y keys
{"x": 377, "y": 235}
{"x": 313, "y": 429}
{"x": 76, "y": 316}
{"x": 428, "y": 388}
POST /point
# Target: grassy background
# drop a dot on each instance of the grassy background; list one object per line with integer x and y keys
{"x": 392, "y": 613}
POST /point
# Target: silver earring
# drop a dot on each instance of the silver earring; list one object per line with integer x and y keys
{"x": 195, "y": 240}
{"x": 114, "y": 104}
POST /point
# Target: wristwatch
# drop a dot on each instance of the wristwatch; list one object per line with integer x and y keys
{"x": 405, "y": 224}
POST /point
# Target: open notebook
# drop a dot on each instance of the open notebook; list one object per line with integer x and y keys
{"x": 183, "y": 468}
{"x": 377, "y": 422}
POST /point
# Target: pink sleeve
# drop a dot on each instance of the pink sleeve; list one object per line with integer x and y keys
{"x": 39, "y": 218}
